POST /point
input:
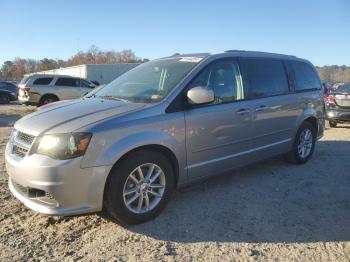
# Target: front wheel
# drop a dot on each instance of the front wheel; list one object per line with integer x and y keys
{"x": 303, "y": 145}
{"x": 139, "y": 187}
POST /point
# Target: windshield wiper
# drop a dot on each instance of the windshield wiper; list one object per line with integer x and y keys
{"x": 93, "y": 95}
{"x": 114, "y": 98}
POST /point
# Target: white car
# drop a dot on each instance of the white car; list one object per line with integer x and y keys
{"x": 43, "y": 89}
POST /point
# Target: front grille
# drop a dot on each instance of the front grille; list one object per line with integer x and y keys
{"x": 19, "y": 151}
{"x": 21, "y": 143}
{"x": 26, "y": 138}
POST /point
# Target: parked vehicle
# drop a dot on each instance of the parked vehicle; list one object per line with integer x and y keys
{"x": 337, "y": 104}
{"x": 327, "y": 85}
{"x": 164, "y": 124}
{"x": 14, "y": 82}
{"x": 100, "y": 73}
{"x": 8, "y": 92}
{"x": 43, "y": 89}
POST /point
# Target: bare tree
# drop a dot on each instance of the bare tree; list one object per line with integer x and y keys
{"x": 18, "y": 67}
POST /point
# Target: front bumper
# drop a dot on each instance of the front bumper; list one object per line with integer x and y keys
{"x": 56, "y": 187}
{"x": 338, "y": 115}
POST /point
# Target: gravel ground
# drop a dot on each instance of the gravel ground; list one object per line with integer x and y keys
{"x": 271, "y": 211}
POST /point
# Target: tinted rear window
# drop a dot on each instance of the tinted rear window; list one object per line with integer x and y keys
{"x": 43, "y": 81}
{"x": 305, "y": 77}
{"x": 266, "y": 77}
{"x": 65, "y": 81}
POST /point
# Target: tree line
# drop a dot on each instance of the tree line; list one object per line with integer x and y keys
{"x": 334, "y": 73}
{"x": 15, "y": 69}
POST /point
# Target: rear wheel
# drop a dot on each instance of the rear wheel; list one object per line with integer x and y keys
{"x": 333, "y": 123}
{"x": 4, "y": 99}
{"x": 139, "y": 187}
{"x": 303, "y": 145}
{"x": 47, "y": 99}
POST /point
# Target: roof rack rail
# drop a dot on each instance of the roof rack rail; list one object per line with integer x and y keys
{"x": 256, "y": 52}
{"x": 235, "y": 50}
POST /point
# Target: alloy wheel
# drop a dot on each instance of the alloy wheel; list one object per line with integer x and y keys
{"x": 144, "y": 188}
{"x": 305, "y": 143}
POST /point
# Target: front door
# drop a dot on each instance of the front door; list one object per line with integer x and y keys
{"x": 218, "y": 134}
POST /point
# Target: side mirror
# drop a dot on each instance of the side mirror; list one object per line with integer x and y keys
{"x": 200, "y": 95}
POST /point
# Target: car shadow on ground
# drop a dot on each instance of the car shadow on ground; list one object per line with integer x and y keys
{"x": 272, "y": 202}
{"x": 8, "y": 120}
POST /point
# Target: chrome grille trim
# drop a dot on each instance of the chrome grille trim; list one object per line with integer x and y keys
{"x": 21, "y": 143}
{"x": 19, "y": 151}
{"x": 26, "y": 138}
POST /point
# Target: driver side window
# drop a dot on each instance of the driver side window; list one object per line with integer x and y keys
{"x": 224, "y": 78}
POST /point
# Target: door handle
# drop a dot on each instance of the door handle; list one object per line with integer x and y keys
{"x": 260, "y": 108}
{"x": 243, "y": 111}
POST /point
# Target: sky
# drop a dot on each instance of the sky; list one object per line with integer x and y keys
{"x": 318, "y": 30}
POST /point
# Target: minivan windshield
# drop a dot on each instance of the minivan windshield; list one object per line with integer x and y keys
{"x": 149, "y": 82}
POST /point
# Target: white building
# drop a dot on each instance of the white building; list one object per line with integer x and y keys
{"x": 103, "y": 73}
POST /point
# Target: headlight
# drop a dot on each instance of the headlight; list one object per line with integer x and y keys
{"x": 64, "y": 146}
{"x": 13, "y": 134}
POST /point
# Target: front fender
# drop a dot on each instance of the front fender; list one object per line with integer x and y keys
{"x": 119, "y": 148}
{"x": 101, "y": 153}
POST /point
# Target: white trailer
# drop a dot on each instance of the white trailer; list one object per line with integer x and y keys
{"x": 103, "y": 73}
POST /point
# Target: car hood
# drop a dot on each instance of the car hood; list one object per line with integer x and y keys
{"x": 71, "y": 115}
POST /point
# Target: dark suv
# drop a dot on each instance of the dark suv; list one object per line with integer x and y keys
{"x": 337, "y": 104}
{"x": 8, "y": 92}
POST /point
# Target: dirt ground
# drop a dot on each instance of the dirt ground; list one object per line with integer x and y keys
{"x": 271, "y": 211}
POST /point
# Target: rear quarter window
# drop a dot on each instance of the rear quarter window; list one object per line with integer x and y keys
{"x": 305, "y": 77}
{"x": 43, "y": 81}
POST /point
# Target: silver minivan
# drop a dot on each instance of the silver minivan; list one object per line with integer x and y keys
{"x": 164, "y": 124}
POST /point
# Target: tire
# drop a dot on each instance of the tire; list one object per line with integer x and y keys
{"x": 47, "y": 99}
{"x": 295, "y": 155}
{"x": 333, "y": 124}
{"x": 120, "y": 183}
{"x": 4, "y": 99}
